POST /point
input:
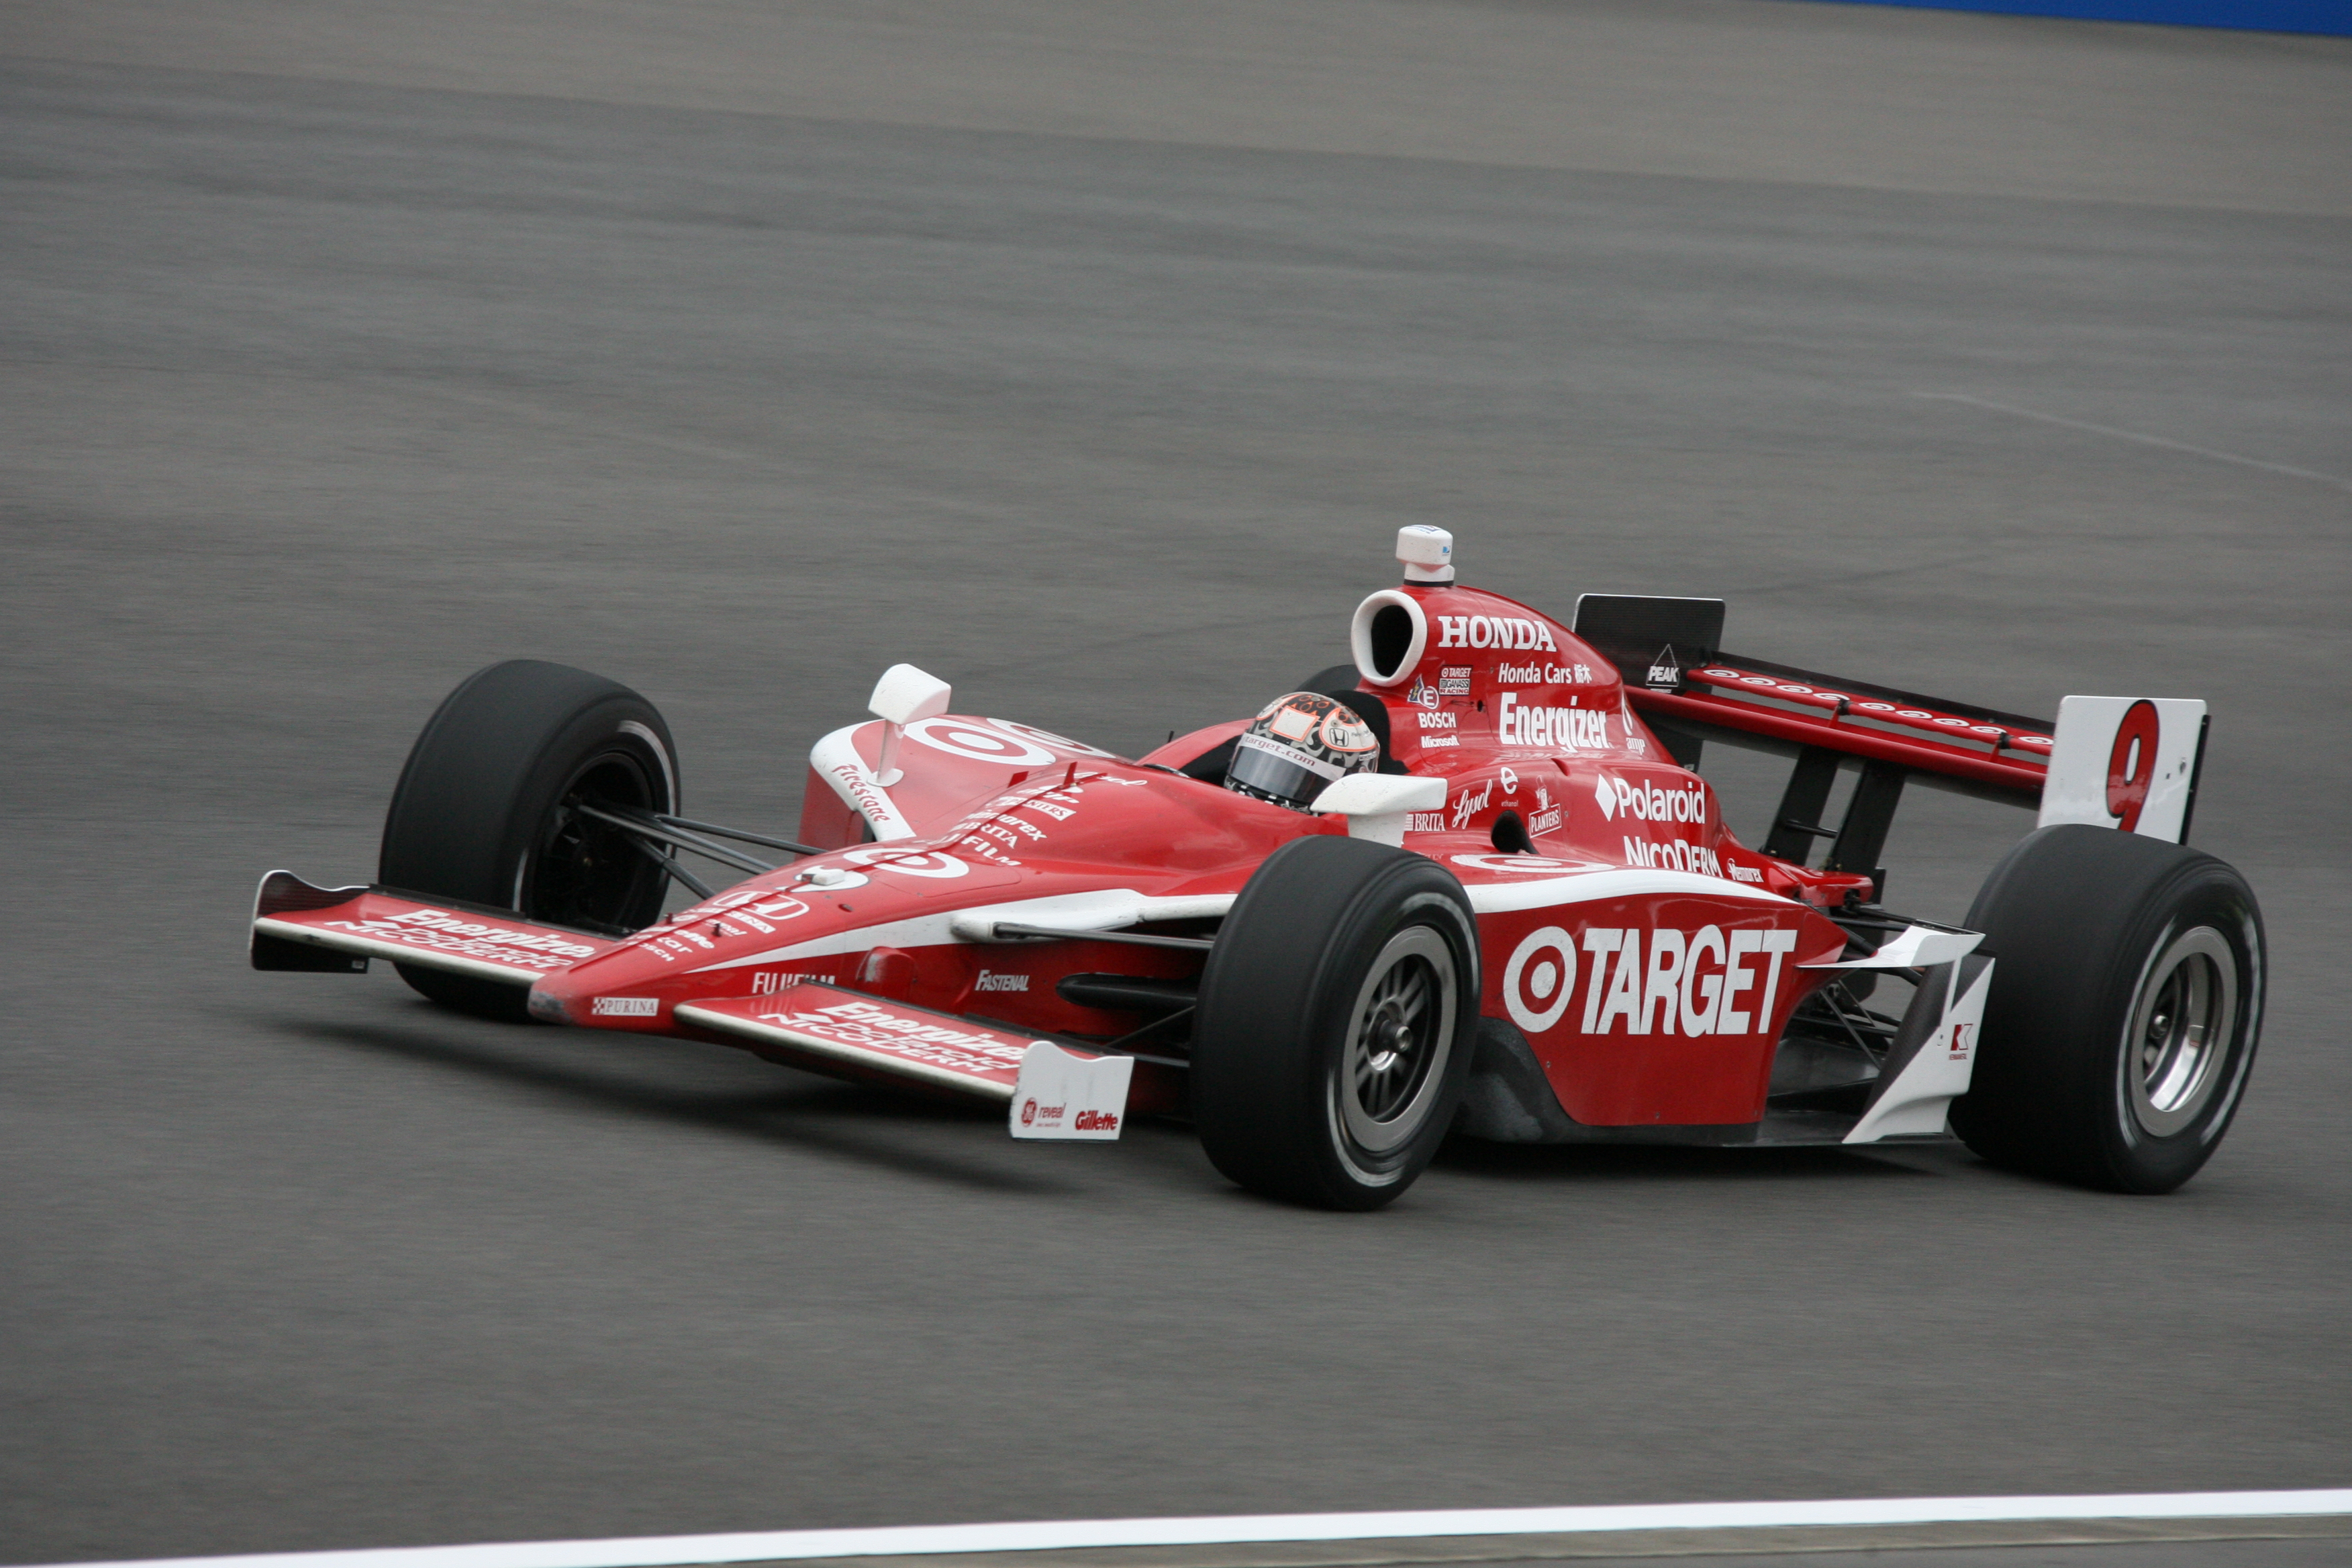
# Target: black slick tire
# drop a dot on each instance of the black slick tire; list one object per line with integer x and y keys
{"x": 487, "y": 810}
{"x": 1336, "y": 1023}
{"x": 2125, "y": 1005}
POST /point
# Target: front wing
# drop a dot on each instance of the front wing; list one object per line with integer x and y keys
{"x": 298, "y": 926}
{"x": 1052, "y": 1091}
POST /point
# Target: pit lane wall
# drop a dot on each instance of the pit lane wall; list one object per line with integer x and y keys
{"x": 2330, "y": 16}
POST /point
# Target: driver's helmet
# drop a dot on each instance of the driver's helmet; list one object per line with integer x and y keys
{"x": 1297, "y": 746}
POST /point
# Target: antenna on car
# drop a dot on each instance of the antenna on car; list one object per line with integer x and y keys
{"x": 1427, "y": 554}
{"x": 903, "y": 694}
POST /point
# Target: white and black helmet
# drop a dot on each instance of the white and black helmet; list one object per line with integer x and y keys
{"x": 1298, "y": 746}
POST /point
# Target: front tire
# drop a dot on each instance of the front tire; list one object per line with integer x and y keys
{"x": 2126, "y": 1004}
{"x": 1337, "y": 1014}
{"x": 487, "y": 810}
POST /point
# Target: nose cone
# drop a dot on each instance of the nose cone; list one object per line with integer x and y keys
{"x": 627, "y": 987}
{"x": 717, "y": 948}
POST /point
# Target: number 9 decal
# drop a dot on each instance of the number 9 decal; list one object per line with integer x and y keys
{"x": 2131, "y": 766}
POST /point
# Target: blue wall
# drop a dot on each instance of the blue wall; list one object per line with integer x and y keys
{"x": 2253, "y": 15}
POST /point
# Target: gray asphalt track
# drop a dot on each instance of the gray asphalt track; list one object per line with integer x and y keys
{"x": 340, "y": 353}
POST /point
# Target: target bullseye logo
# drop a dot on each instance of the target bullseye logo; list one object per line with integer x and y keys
{"x": 1525, "y": 864}
{"x": 1047, "y": 737}
{"x": 909, "y": 862}
{"x": 978, "y": 740}
{"x": 1537, "y": 980}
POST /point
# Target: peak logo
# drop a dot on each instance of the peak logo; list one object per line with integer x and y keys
{"x": 1665, "y": 670}
{"x": 1494, "y": 631}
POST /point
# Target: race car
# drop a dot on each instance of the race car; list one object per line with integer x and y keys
{"x": 1471, "y": 883}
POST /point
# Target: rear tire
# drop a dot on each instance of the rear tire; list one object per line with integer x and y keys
{"x": 1336, "y": 1023}
{"x": 486, "y": 810}
{"x": 2127, "y": 1002}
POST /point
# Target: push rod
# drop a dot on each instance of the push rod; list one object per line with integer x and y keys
{"x": 785, "y": 845}
{"x": 692, "y": 881}
{"x": 679, "y": 836}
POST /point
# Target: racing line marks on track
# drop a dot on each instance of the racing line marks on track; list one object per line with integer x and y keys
{"x": 2135, "y": 435}
{"x": 1242, "y": 1541}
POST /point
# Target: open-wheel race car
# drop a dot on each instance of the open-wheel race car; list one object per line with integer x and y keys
{"x": 1471, "y": 883}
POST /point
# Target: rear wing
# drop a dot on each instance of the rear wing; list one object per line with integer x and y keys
{"x": 2114, "y": 761}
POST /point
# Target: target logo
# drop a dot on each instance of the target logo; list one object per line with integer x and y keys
{"x": 1539, "y": 979}
{"x": 1663, "y": 980}
{"x": 1525, "y": 865}
{"x": 979, "y": 741}
{"x": 909, "y": 862}
{"x": 1045, "y": 738}
{"x": 999, "y": 740}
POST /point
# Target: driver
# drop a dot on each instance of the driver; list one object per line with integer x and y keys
{"x": 1298, "y": 746}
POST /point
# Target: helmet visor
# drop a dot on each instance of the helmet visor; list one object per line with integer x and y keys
{"x": 1282, "y": 773}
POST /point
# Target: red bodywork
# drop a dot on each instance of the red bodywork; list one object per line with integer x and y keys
{"x": 1649, "y": 958}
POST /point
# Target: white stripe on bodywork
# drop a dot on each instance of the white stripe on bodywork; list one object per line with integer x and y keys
{"x": 1549, "y": 891}
{"x": 836, "y": 762}
{"x": 1106, "y": 909}
{"x": 1112, "y": 908}
{"x": 923, "y": 930}
{"x": 1094, "y": 1534}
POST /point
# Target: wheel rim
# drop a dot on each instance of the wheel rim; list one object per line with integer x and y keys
{"x": 2181, "y": 1031}
{"x": 1399, "y": 1038}
{"x": 582, "y": 872}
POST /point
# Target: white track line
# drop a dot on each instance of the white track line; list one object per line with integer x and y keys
{"x": 1054, "y": 1535}
{"x": 2136, "y": 435}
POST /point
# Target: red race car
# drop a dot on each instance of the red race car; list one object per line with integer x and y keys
{"x": 1471, "y": 882}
